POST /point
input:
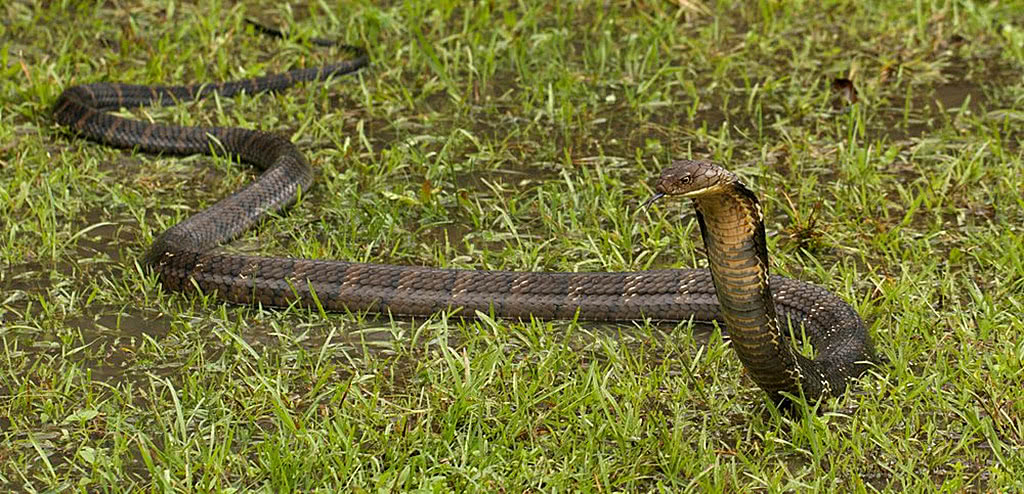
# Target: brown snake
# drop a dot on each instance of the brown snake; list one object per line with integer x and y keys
{"x": 757, "y": 309}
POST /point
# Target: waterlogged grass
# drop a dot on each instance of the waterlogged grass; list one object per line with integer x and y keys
{"x": 518, "y": 136}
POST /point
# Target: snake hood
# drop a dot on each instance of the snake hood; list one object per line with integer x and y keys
{"x": 732, "y": 227}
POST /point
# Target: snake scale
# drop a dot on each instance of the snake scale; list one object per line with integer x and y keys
{"x": 755, "y": 308}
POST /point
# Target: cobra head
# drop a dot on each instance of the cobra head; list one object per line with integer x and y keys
{"x": 691, "y": 178}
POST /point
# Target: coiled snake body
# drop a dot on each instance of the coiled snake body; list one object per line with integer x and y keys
{"x": 737, "y": 291}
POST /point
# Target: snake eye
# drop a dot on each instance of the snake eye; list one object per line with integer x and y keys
{"x": 686, "y": 179}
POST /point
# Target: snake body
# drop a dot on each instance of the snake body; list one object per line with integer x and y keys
{"x": 737, "y": 292}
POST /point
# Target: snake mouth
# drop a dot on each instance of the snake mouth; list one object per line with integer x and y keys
{"x": 699, "y": 192}
{"x": 709, "y": 190}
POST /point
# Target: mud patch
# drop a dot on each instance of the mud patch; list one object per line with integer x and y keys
{"x": 102, "y": 240}
{"x": 111, "y": 338}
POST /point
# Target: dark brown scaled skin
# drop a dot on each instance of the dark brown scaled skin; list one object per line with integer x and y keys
{"x": 185, "y": 257}
{"x": 733, "y": 230}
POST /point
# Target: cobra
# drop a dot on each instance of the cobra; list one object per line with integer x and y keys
{"x": 756, "y": 309}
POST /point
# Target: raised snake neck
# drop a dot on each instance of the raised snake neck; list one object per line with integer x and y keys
{"x": 185, "y": 258}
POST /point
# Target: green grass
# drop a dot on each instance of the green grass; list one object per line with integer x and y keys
{"x": 518, "y": 136}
